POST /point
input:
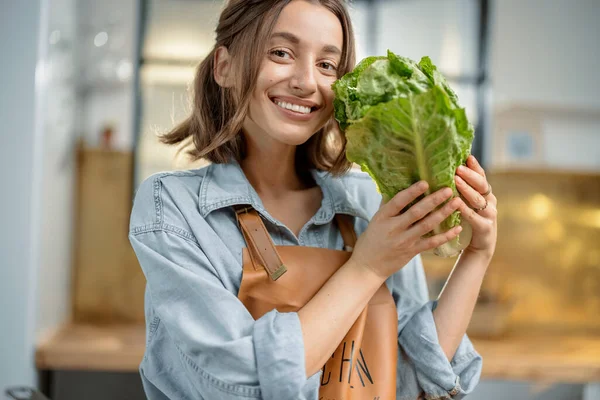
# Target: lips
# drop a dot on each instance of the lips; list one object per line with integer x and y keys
{"x": 293, "y": 107}
{"x": 296, "y": 105}
{"x": 301, "y": 114}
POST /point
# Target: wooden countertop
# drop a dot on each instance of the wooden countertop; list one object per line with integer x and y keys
{"x": 529, "y": 356}
{"x": 87, "y": 347}
{"x": 541, "y": 357}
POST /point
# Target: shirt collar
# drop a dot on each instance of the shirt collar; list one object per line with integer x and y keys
{"x": 225, "y": 185}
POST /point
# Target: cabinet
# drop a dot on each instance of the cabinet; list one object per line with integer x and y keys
{"x": 108, "y": 284}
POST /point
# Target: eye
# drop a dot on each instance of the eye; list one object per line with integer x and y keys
{"x": 280, "y": 53}
{"x": 327, "y": 65}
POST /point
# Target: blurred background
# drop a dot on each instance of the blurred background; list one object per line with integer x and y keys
{"x": 86, "y": 85}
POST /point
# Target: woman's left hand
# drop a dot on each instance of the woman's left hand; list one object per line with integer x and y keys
{"x": 480, "y": 210}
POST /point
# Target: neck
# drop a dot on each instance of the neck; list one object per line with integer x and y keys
{"x": 271, "y": 169}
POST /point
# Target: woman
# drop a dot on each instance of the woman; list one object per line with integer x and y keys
{"x": 262, "y": 115}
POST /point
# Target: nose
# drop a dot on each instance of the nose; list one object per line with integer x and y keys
{"x": 304, "y": 79}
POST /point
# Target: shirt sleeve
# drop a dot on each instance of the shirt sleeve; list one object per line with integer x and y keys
{"x": 224, "y": 353}
{"x": 423, "y": 368}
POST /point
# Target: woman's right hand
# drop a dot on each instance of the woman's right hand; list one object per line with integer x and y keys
{"x": 393, "y": 238}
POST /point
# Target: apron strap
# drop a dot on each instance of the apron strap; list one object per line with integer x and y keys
{"x": 346, "y": 227}
{"x": 261, "y": 248}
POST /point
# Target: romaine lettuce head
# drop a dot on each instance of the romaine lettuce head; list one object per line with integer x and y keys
{"x": 404, "y": 124}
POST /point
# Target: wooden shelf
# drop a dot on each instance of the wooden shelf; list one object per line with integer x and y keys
{"x": 524, "y": 356}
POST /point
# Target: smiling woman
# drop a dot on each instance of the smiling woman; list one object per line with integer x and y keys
{"x": 236, "y": 71}
{"x": 275, "y": 273}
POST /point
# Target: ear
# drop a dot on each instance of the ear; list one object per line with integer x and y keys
{"x": 222, "y": 69}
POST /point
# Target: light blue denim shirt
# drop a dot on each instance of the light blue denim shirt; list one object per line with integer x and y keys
{"x": 202, "y": 343}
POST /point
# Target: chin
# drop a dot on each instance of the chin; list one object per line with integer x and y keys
{"x": 293, "y": 136}
{"x": 293, "y": 133}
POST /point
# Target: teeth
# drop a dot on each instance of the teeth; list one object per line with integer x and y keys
{"x": 293, "y": 107}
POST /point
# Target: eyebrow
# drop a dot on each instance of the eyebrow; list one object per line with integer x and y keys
{"x": 290, "y": 37}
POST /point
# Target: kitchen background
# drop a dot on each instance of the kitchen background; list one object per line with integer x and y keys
{"x": 88, "y": 84}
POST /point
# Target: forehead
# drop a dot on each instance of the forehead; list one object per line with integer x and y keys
{"x": 312, "y": 23}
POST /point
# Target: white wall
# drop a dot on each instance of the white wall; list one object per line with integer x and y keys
{"x": 572, "y": 143}
{"x": 543, "y": 52}
{"x": 113, "y": 106}
{"x": 105, "y": 84}
{"x": 444, "y": 30}
{"x": 544, "y": 56}
{"x": 20, "y": 163}
{"x": 38, "y": 136}
{"x": 358, "y": 13}
{"x": 57, "y": 119}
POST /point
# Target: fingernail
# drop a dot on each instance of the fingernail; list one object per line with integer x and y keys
{"x": 423, "y": 185}
{"x": 461, "y": 168}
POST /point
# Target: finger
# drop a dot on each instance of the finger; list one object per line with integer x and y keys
{"x": 434, "y": 219}
{"x": 475, "y": 199}
{"x": 474, "y": 165}
{"x": 438, "y": 240}
{"x": 471, "y": 216}
{"x": 404, "y": 198}
{"x": 475, "y": 180}
{"x": 491, "y": 198}
{"x": 424, "y": 207}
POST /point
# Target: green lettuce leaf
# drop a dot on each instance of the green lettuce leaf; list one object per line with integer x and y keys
{"x": 404, "y": 124}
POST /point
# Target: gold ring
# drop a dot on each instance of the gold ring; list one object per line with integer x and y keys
{"x": 488, "y": 191}
{"x": 482, "y": 208}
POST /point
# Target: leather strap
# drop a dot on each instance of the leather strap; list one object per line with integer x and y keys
{"x": 261, "y": 247}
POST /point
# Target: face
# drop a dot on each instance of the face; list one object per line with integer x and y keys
{"x": 293, "y": 97}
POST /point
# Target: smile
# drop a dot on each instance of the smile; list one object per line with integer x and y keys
{"x": 293, "y": 107}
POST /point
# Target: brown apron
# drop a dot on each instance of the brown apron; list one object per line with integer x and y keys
{"x": 363, "y": 367}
